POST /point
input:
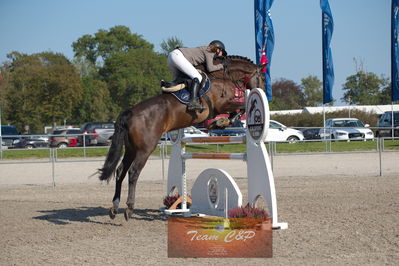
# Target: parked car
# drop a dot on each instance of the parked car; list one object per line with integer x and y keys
{"x": 346, "y": 129}
{"x": 10, "y": 136}
{"x": 311, "y": 133}
{"x": 276, "y": 132}
{"x": 98, "y": 133}
{"x": 280, "y": 132}
{"x": 33, "y": 141}
{"x": 384, "y": 125}
{"x": 237, "y": 129}
{"x": 194, "y": 132}
{"x": 188, "y": 132}
{"x": 67, "y": 137}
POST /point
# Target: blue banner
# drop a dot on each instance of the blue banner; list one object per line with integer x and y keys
{"x": 328, "y": 66}
{"x": 264, "y": 39}
{"x": 394, "y": 50}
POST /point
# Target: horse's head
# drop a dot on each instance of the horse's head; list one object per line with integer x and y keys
{"x": 242, "y": 69}
{"x": 257, "y": 78}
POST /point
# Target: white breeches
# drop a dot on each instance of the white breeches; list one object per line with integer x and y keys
{"x": 177, "y": 63}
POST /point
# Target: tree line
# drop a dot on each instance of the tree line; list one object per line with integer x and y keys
{"x": 115, "y": 69}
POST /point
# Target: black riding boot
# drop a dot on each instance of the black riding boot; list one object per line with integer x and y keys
{"x": 194, "y": 104}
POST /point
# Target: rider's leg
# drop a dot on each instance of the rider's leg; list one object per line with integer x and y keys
{"x": 180, "y": 68}
{"x": 194, "y": 103}
{"x": 177, "y": 62}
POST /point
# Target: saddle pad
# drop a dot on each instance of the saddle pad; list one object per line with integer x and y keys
{"x": 183, "y": 95}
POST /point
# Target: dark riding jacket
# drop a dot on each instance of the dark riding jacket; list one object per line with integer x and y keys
{"x": 201, "y": 55}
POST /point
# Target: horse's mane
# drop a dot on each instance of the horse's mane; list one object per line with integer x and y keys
{"x": 239, "y": 57}
{"x": 230, "y": 59}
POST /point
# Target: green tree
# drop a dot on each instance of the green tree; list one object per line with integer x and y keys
{"x": 170, "y": 44}
{"x": 105, "y": 43}
{"x": 84, "y": 67}
{"x": 386, "y": 92}
{"x": 312, "y": 89}
{"x": 130, "y": 68}
{"x": 43, "y": 88}
{"x": 365, "y": 88}
{"x": 287, "y": 95}
{"x": 134, "y": 76}
{"x": 4, "y": 85}
{"x": 96, "y": 103}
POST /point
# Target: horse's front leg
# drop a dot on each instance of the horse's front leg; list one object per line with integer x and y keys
{"x": 232, "y": 108}
{"x": 236, "y": 116}
{"x": 237, "y": 110}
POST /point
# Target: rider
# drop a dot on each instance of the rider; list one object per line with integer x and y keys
{"x": 184, "y": 60}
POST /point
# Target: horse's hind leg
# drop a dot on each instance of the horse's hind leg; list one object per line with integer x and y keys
{"x": 120, "y": 175}
{"x": 134, "y": 172}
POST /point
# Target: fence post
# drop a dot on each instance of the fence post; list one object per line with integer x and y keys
{"x": 271, "y": 155}
{"x": 378, "y": 143}
{"x": 84, "y": 145}
{"x": 52, "y": 155}
{"x": 162, "y": 151}
{"x": 1, "y": 147}
{"x": 380, "y": 140}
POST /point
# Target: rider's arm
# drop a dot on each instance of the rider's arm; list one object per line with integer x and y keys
{"x": 209, "y": 62}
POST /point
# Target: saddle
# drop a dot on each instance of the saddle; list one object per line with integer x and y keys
{"x": 180, "y": 88}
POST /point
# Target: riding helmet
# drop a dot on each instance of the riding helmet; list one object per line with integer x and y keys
{"x": 220, "y": 45}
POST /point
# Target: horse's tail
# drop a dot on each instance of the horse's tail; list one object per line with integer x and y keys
{"x": 115, "y": 151}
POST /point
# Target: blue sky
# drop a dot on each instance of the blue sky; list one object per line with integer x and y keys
{"x": 361, "y": 30}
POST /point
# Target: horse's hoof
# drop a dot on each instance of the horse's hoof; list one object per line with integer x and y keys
{"x": 112, "y": 213}
{"x": 128, "y": 214}
{"x": 223, "y": 122}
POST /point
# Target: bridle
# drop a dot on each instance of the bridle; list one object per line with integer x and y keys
{"x": 258, "y": 75}
{"x": 240, "y": 84}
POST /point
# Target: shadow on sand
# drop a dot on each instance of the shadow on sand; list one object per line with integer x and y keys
{"x": 92, "y": 215}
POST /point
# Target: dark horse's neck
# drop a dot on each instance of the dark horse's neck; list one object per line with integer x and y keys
{"x": 236, "y": 68}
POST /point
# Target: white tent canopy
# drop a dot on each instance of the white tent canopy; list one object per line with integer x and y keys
{"x": 377, "y": 109}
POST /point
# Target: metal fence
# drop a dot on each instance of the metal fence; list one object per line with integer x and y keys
{"x": 379, "y": 145}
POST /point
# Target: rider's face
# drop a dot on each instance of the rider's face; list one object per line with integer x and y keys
{"x": 219, "y": 52}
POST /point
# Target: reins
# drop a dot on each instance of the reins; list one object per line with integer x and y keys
{"x": 240, "y": 84}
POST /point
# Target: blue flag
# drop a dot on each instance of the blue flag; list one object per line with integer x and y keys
{"x": 264, "y": 39}
{"x": 395, "y": 50}
{"x": 328, "y": 66}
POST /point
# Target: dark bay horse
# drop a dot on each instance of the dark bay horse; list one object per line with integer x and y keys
{"x": 139, "y": 128}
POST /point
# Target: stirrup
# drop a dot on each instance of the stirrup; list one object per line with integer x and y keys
{"x": 168, "y": 84}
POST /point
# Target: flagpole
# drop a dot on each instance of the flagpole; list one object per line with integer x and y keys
{"x": 394, "y": 58}
{"x": 324, "y": 122}
{"x": 324, "y": 127}
{"x": 1, "y": 139}
{"x": 392, "y": 121}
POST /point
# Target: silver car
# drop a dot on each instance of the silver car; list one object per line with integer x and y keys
{"x": 97, "y": 133}
{"x": 346, "y": 129}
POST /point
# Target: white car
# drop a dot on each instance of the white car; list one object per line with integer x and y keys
{"x": 346, "y": 129}
{"x": 279, "y": 132}
{"x": 194, "y": 132}
{"x": 188, "y": 132}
